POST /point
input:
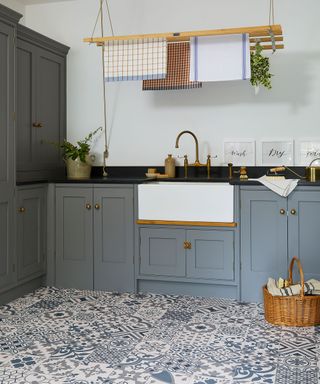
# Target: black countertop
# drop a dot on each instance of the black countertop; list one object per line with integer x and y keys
{"x": 136, "y": 175}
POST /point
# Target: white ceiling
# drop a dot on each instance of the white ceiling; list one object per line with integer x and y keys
{"x": 29, "y": 2}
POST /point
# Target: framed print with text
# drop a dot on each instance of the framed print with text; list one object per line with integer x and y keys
{"x": 307, "y": 150}
{"x": 277, "y": 152}
{"x": 239, "y": 152}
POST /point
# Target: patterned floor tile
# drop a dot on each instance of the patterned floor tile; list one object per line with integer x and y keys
{"x": 70, "y": 336}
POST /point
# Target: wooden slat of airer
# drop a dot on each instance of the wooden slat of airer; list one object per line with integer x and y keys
{"x": 268, "y": 47}
{"x": 186, "y": 223}
{"x": 262, "y": 39}
{"x": 265, "y": 39}
{"x": 252, "y": 31}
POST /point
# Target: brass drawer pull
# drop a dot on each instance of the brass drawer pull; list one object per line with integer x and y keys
{"x": 22, "y": 209}
{"x": 97, "y": 206}
{"x": 187, "y": 245}
{"x": 293, "y": 211}
{"x": 282, "y": 211}
{"x": 88, "y": 206}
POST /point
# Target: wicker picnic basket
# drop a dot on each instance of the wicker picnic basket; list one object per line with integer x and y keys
{"x": 294, "y": 311}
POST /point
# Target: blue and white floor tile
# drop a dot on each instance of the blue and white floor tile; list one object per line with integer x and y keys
{"x": 67, "y": 336}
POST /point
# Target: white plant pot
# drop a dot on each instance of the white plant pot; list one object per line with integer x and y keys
{"x": 77, "y": 169}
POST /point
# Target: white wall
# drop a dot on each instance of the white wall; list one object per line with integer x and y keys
{"x": 15, "y": 5}
{"x": 144, "y": 125}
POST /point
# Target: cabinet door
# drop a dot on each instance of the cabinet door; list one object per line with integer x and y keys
{"x": 50, "y": 109}
{"x": 31, "y": 227}
{"x": 304, "y": 231}
{"x": 113, "y": 239}
{"x": 40, "y": 100}
{"x": 26, "y": 114}
{"x": 211, "y": 255}
{"x": 74, "y": 231}
{"x": 6, "y": 155}
{"x": 162, "y": 251}
{"x": 263, "y": 241}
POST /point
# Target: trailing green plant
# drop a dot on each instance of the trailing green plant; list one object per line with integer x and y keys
{"x": 260, "y": 68}
{"x": 79, "y": 150}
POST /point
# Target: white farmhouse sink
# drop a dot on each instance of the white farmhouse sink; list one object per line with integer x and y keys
{"x": 184, "y": 201}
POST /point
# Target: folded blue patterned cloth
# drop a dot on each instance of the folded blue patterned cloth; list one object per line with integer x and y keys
{"x": 311, "y": 287}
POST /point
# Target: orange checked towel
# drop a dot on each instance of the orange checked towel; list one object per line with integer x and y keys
{"x": 178, "y": 70}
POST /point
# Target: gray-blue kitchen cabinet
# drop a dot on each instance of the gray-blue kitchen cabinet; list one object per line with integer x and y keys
{"x": 195, "y": 254}
{"x": 8, "y": 19}
{"x": 263, "y": 240}
{"x": 41, "y": 104}
{"x": 273, "y": 230}
{"x": 113, "y": 239}
{"x": 211, "y": 255}
{"x": 95, "y": 237}
{"x": 304, "y": 230}
{"x": 162, "y": 252}
{"x": 31, "y": 231}
{"x": 74, "y": 237}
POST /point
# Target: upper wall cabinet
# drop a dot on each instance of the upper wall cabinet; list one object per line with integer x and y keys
{"x": 41, "y": 104}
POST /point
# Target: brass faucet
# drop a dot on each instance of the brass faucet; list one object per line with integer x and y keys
{"x": 196, "y": 162}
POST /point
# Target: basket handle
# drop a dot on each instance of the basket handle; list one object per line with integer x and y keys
{"x": 295, "y": 259}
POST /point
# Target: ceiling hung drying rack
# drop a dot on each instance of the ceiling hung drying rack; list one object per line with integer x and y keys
{"x": 270, "y": 36}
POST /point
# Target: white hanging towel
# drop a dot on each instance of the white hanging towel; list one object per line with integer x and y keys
{"x": 220, "y": 58}
{"x": 135, "y": 59}
{"x": 282, "y": 187}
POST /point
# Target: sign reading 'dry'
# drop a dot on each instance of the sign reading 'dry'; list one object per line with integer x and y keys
{"x": 277, "y": 152}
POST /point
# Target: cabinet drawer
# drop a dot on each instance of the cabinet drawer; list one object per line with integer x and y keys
{"x": 162, "y": 252}
{"x": 211, "y": 255}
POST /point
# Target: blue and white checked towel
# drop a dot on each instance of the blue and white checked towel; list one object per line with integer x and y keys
{"x": 138, "y": 59}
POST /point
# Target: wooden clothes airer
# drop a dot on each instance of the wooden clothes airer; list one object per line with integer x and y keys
{"x": 269, "y": 35}
{"x": 145, "y": 56}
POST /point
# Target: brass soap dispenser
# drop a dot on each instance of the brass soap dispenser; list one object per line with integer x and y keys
{"x": 170, "y": 166}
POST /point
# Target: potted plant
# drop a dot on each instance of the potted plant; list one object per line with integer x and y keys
{"x": 76, "y": 156}
{"x": 260, "y": 68}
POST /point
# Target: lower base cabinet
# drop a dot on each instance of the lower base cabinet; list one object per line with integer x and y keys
{"x": 95, "y": 237}
{"x": 74, "y": 238}
{"x": 273, "y": 230}
{"x": 26, "y": 266}
{"x": 31, "y": 231}
{"x": 194, "y": 254}
{"x": 263, "y": 241}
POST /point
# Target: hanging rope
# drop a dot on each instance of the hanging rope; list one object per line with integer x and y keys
{"x": 271, "y": 22}
{"x": 271, "y": 12}
{"x": 106, "y": 146}
{"x": 100, "y": 16}
{"x": 109, "y": 16}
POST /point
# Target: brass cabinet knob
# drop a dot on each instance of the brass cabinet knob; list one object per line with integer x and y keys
{"x": 187, "y": 245}
{"x": 282, "y": 211}
{"x": 22, "y": 209}
{"x": 293, "y": 211}
{"x": 37, "y": 125}
{"x": 88, "y": 206}
{"x": 97, "y": 206}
